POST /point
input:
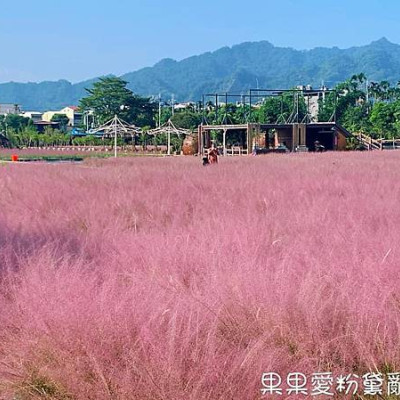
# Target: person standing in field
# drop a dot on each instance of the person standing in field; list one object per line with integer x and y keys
{"x": 213, "y": 156}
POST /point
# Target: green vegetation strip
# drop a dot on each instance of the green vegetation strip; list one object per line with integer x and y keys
{"x": 42, "y": 158}
{"x": 55, "y": 158}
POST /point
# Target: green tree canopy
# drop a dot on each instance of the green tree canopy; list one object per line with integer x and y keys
{"x": 278, "y": 109}
{"x": 186, "y": 119}
{"x": 62, "y": 119}
{"x": 15, "y": 122}
{"x": 110, "y": 96}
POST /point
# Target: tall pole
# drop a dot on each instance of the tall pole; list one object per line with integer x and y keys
{"x": 5, "y": 123}
{"x": 334, "y": 111}
{"x": 203, "y": 110}
{"x": 159, "y": 109}
{"x": 226, "y": 107}
{"x": 216, "y": 109}
{"x": 250, "y": 106}
{"x": 115, "y": 136}
{"x": 169, "y": 142}
{"x": 243, "y": 108}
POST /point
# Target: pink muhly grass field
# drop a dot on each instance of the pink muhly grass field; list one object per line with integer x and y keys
{"x": 162, "y": 279}
{"x": 48, "y": 151}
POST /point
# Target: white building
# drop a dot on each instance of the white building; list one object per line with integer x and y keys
{"x": 35, "y": 116}
{"x": 9, "y": 109}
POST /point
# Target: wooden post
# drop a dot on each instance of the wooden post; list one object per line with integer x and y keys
{"x": 249, "y": 135}
{"x": 200, "y": 140}
{"x": 224, "y": 141}
{"x": 303, "y": 135}
{"x": 295, "y": 136}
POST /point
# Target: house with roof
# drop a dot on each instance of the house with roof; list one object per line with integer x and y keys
{"x": 72, "y": 112}
{"x": 35, "y": 116}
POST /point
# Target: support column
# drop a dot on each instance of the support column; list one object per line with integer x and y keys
{"x": 295, "y": 135}
{"x": 303, "y": 134}
{"x": 224, "y": 141}
{"x": 249, "y": 137}
{"x": 199, "y": 140}
{"x": 256, "y": 136}
{"x": 298, "y": 135}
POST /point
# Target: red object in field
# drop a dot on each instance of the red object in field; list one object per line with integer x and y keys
{"x": 14, "y": 157}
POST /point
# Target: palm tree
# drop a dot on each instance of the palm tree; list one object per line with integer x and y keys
{"x": 375, "y": 90}
{"x": 385, "y": 86}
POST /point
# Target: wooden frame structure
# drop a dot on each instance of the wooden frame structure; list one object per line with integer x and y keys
{"x": 293, "y": 135}
{"x": 169, "y": 128}
{"x": 204, "y": 138}
{"x": 294, "y": 130}
{"x": 115, "y": 127}
{"x": 247, "y": 101}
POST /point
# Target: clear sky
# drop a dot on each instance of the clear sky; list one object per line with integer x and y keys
{"x": 77, "y": 40}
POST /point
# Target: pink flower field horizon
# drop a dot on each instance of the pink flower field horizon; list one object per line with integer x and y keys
{"x": 160, "y": 279}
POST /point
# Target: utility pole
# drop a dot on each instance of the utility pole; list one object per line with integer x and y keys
{"x": 216, "y": 108}
{"x": 172, "y": 104}
{"x": 159, "y": 109}
{"x": 5, "y": 123}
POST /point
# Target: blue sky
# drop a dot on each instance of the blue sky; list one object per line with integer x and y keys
{"x": 77, "y": 40}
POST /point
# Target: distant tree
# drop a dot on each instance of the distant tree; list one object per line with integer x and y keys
{"x": 347, "y": 95}
{"x": 271, "y": 110}
{"x": 29, "y": 136}
{"x": 13, "y": 138}
{"x": 62, "y": 120}
{"x": 110, "y": 96}
{"x": 229, "y": 114}
{"x": 14, "y": 121}
{"x": 186, "y": 119}
{"x": 280, "y": 108}
{"x": 383, "y": 91}
{"x": 355, "y": 118}
{"x": 382, "y": 119}
{"x": 48, "y": 130}
{"x": 356, "y": 81}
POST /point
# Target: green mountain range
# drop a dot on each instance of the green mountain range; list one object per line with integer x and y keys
{"x": 229, "y": 69}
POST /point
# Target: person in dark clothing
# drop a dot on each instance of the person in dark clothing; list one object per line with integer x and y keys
{"x": 319, "y": 148}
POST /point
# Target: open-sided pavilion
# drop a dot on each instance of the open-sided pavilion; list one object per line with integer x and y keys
{"x": 294, "y": 131}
